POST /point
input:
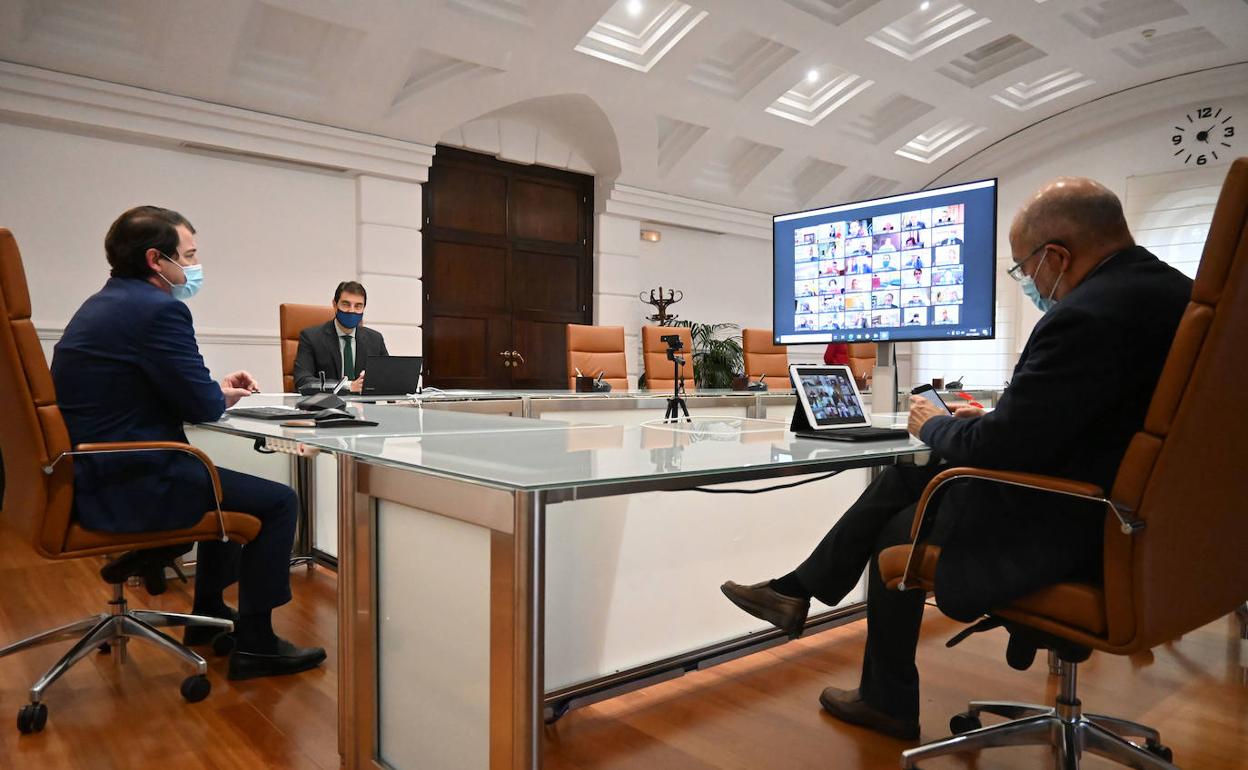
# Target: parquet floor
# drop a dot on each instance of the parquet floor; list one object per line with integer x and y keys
{"x": 759, "y": 712}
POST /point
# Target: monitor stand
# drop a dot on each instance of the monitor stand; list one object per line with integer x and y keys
{"x": 884, "y": 381}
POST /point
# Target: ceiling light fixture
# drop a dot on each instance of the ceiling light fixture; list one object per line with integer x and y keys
{"x": 634, "y": 7}
{"x": 923, "y": 6}
{"x": 812, "y": 76}
{"x": 653, "y": 236}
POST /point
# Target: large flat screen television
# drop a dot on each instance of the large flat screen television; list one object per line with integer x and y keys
{"x": 918, "y": 266}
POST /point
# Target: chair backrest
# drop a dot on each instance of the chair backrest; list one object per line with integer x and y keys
{"x": 659, "y": 371}
{"x": 862, "y": 360}
{"x": 762, "y": 356}
{"x": 32, "y": 431}
{"x": 594, "y": 349}
{"x": 1186, "y": 473}
{"x": 293, "y": 319}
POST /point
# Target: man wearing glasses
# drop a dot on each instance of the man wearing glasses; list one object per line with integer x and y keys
{"x": 341, "y": 346}
{"x": 1078, "y": 394}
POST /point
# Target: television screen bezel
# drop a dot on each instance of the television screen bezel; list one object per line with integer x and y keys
{"x": 992, "y": 332}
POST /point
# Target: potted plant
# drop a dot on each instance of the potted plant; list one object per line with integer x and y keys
{"x": 717, "y": 355}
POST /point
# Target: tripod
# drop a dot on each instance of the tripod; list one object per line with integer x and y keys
{"x": 676, "y": 404}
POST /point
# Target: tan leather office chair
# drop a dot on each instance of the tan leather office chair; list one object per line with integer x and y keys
{"x": 660, "y": 374}
{"x": 862, "y": 362}
{"x": 594, "y": 349}
{"x": 1175, "y": 524}
{"x": 764, "y": 357}
{"x": 39, "y": 501}
{"x": 293, "y": 319}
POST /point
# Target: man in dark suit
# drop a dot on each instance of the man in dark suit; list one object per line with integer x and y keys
{"x": 339, "y": 347}
{"x": 128, "y": 368}
{"x": 1078, "y": 394}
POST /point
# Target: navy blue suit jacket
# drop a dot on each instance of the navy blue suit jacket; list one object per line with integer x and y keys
{"x": 1079, "y": 393}
{"x": 128, "y": 368}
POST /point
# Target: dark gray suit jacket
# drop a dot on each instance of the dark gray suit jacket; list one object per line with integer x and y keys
{"x": 321, "y": 351}
{"x": 1077, "y": 396}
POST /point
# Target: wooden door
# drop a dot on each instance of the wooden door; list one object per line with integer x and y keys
{"x": 507, "y": 264}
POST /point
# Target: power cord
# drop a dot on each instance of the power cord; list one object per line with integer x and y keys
{"x": 790, "y": 485}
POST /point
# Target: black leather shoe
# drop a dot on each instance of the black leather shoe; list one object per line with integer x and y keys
{"x": 787, "y": 613}
{"x": 194, "y": 636}
{"x": 848, "y": 706}
{"x": 288, "y": 660}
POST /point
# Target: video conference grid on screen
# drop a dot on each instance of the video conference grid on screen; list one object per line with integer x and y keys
{"x": 832, "y": 399}
{"x": 907, "y": 267}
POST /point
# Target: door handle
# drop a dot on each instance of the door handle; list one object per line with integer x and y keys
{"x": 516, "y": 354}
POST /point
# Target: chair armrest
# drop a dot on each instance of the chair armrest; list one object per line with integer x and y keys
{"x": 1056, "y": 485}
{"x": 122, "y": 447}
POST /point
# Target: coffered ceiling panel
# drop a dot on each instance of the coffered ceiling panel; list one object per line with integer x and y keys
{"x": 759, "y": 104}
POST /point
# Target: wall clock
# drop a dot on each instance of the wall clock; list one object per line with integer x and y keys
{"x": 1202, "y": 134}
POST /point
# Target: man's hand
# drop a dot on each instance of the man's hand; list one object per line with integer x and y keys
{"x": 921, "y": 410}
{"x": 967, "y": 412}
{"x": 240, "y": 380}
{"x": 234, "y": 395}
{"x": 357, "y": 385}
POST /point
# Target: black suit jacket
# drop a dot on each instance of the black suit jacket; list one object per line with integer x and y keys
{"x": 321, "y": 351}
{"x": 1077, "y": 396}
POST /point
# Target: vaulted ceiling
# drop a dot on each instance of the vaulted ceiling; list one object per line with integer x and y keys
{"x": 769, "y": 105}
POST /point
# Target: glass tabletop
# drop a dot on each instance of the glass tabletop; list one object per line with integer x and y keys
{"x": 563, "y": 456}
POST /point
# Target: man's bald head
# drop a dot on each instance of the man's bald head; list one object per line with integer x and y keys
{"x": 1081, "y": 213}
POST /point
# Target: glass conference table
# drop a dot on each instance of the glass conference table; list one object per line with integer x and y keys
{"x": 442, "y": 545}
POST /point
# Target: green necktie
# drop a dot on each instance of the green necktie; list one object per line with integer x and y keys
{"x": 348, "y": 358}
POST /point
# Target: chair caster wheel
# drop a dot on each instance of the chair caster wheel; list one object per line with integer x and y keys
{"x": 223, "y": 644}
{"x": 31, "y": 718}
{"x": 196, "y": 688}
{"x": 964, "y": 723}
{"x": 1160, "y": 751}
{"x": 104, "y": 648}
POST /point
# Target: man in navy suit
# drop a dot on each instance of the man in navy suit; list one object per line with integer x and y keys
{"x": 128, "y": 368}
{"x": 1111, "y": 311}
{"x": 341, "y": 346}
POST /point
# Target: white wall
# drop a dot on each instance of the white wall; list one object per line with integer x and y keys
{"x": 267, "y": 233}
{"x": 1112, "y": 154}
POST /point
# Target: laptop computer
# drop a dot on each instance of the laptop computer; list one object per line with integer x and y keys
{"x": 829, "y": 406}
{"x": 394, "y": 376}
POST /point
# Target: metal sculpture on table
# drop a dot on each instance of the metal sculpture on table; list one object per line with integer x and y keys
{"x": 661, "y": 304}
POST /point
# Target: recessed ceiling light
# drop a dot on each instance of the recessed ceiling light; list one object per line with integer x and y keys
{"x": 634, "y": 7}
{"x": 923, "y": 6}
{"x": 812, "y": 76}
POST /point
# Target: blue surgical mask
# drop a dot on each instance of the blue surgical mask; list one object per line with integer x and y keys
{"x": 1028, "y": 285}
{"x": 349, "y": 320}
{"x": 194, "y": 281}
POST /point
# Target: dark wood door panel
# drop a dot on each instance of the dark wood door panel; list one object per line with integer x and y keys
{"x": 468, "y": 198}
{"x": 463, "y": 275}
{"x": 542, "y": 210}
{"x": 466, "y": 351}
{"x": 543, "y": 345}
{"x": 545, "y": 282}
{"x": 507, "y": 265}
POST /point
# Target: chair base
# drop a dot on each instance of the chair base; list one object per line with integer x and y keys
{"x": 100, "y": 632}
{"x": 1063, "y": 727}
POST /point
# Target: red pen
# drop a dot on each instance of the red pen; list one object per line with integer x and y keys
{"x": 962, "y": 394}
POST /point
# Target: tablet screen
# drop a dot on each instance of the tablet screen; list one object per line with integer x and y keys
{"x": 829, "y": 396}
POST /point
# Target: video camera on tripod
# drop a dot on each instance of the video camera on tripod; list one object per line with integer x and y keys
{"x": 676, "y": 404}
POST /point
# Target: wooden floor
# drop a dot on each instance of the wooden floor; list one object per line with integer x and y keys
{"x": 756, "y": 713}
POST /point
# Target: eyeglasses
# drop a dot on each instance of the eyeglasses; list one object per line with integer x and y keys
{"x": 1016, "y": 272}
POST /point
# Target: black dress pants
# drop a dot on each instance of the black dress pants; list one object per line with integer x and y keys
{"x": 262, "y": 567}
{"x": 880, "y": 518}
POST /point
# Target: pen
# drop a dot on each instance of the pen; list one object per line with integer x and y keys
{"x": 962, "y": 394}
{"x": 762, "y": 376}
{"x": 577, "y": 369}
{"x": 601, "y": 374}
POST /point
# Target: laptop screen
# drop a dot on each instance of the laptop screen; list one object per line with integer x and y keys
{"x": 829, "y": 396}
